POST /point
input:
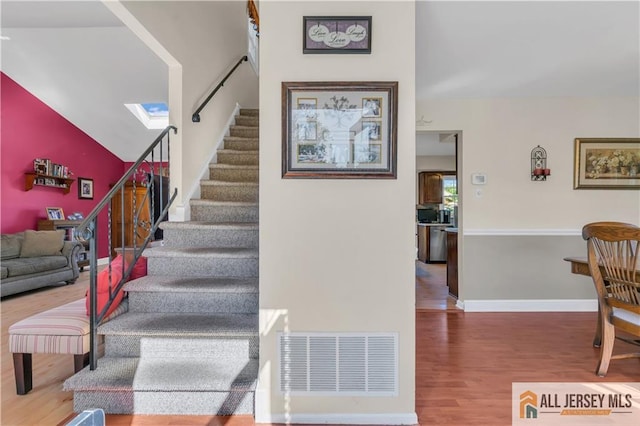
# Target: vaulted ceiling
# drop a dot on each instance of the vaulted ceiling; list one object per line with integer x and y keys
{"x": 78, "y": 57}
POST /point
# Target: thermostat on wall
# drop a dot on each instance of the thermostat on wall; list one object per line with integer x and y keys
{"x": 478, "y": 178}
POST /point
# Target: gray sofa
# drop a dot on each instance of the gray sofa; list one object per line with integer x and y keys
{"x": 34, "y": 259}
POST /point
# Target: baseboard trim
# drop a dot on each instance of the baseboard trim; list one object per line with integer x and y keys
{"x": 263, "y": 415}
{"x": 342, "y": 419}
{"x": 561, "y": 305}
{"x": 179, "y": 214}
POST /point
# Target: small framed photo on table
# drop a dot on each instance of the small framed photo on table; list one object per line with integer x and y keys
{"x": 85, "y": 188}
{"x": 55, "y": 213}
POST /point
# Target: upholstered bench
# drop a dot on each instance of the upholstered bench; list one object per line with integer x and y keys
{"x": 60, "y": 330}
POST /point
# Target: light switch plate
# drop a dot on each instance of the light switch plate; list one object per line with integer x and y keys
{"x": 478, "y": 178}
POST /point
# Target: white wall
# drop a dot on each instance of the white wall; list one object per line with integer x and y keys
{"x": 336, "y": 255}
{"x": 498, "y": 136}
{"x": 207, "y": 39}
{"x": 436, "y": 163}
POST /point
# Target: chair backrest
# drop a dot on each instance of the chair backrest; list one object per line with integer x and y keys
{"x": 613, "y": 262}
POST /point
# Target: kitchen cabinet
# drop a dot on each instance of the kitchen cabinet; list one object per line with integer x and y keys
{"x": 430, "y": 188}
{"x": 452, "y": 261}
{"x": 123, "y": 216}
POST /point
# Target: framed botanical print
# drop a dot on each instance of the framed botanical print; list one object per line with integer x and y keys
{"x": 606, "y": 163}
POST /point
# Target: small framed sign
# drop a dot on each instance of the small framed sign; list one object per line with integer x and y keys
{"x": 336, "y": 34}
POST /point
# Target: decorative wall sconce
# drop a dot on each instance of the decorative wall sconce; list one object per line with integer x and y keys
{"x": 539, "y": 170}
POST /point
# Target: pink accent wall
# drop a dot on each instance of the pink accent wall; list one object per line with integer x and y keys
{"x": 30, "y": 129}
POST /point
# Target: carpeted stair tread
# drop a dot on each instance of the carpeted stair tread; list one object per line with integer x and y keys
{"x": 238, "y": 151}
{"x": 209, "y": 225}
{"x": 181, "y": 324}
{"x": 241, "y": 139}
{"x": 170, "y": 284}
{"x": 217, "y": 203}
{"x": 226, "y": 183}
{"x": 197, "y": 375}
{"x": 195, "y": 252}
{"x": 127, "y": 374}
{"x": 236, "y": 126}
{"x": 115, "y": 374}
{"x": 234, "y": 166}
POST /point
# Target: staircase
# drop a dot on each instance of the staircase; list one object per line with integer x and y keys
{"x": 189, "y": 342}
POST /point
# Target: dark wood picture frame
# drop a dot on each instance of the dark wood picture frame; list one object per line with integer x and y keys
{"x": 336, "y": 34}
{"x": 339, "y": 140}
{"x": 85, "y": 188}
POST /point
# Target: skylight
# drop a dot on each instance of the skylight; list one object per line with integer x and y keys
{"x": 151, "y": 115}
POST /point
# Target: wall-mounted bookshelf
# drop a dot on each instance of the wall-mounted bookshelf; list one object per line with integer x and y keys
{"x": 47, "y": 173}
{"x": 34, "y": 179}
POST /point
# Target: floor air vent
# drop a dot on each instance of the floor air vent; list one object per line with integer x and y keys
{"x": 339, "y": 364}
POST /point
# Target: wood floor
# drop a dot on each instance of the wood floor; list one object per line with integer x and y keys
{"x": 465, "y": 364}
{"x": 432, "y": 293}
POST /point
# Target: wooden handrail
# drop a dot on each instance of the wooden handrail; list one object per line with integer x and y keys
{"x": 253, "y": 15}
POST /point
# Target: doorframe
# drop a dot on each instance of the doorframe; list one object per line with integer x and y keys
{"x": 458, "y": 172}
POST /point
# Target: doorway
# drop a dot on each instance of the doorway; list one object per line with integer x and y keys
{"x": 436, "y": 152}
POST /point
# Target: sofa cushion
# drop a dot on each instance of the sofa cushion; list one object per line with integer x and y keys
{"x": 42, "y": 243}
{"x": 33, "y": 265}
{"x": 4, "y": 271}
{"x": 10, "y": 245}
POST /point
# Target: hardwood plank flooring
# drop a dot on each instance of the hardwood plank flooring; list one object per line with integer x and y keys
{"x": 46, "y": 404}
{"x": 432, "y": 293}
{"x": 465, "y": 364}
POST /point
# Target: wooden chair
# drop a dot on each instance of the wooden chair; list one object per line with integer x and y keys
{"x": 613, "y": 263}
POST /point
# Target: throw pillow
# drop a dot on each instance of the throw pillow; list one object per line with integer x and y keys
{"x": 139, "y": 269}
{"x": 10, "y": 246}
{"x": 42, "y": 243}
{"x": 103, "y": 286}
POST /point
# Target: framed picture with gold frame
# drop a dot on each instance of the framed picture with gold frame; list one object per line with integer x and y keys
{"x": 606, "y": 163}
{"x": 339, "y": 130}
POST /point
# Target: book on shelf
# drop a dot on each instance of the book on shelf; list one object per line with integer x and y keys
{"x": 44, "y": 166}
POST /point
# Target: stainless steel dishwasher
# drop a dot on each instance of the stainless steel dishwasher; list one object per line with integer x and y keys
{"x": 438, "y": 244}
